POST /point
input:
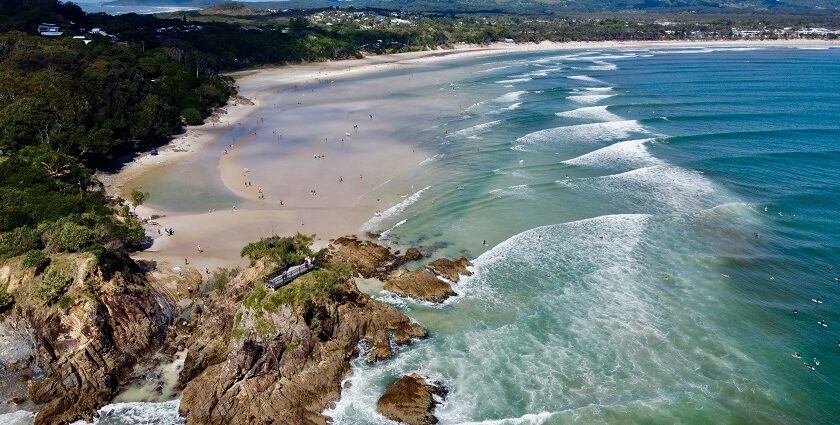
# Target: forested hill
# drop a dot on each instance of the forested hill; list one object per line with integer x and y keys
{"x": 124, "y": 84}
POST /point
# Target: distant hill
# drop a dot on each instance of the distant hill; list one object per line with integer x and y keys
{"x": 536, "y": 6}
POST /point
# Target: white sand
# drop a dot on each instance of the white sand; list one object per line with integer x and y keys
{"x": 374, "y": 150}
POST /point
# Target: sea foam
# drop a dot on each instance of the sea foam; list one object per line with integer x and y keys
{"x": 585, "y": 133}
{"x": 589, "y": 98}
{"x": 598, "y": 113}
{"x": 622, "y": 155}
{"x": 376, "y": 221}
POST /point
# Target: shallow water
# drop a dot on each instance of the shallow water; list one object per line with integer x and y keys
{"x": 619, "y": 194}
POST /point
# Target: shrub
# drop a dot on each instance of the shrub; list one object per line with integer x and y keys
{"x": 221, "y": 277}
{"x": 52, "y": 286}
{"x": 34, "y": 258}
{"x": 285, "y": 251}
{"x": 192, "y": 116}
{"x": 18, "y": 241}
{"x": 6, "y": 299}
{"x": 66, "y": 235}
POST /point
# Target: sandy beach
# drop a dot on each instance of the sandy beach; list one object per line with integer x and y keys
{"x": 296, "y": 129}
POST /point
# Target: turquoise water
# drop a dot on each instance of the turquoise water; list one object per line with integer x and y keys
{"x": 619, "y": 194}
{"x": 622, "y": 281}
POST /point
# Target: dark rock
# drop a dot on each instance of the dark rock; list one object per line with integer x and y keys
{"x": 450, "y": 269}
{"x": 420, "y": 284}
{"x": 411, "y": 400}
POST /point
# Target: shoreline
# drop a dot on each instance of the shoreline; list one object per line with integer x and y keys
{"x": 255, "y": 87}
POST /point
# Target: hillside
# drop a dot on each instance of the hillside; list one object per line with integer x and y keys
{"x": 542, "y": 6}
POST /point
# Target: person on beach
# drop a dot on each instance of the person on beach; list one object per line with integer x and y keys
{"x": 200, "y": 250}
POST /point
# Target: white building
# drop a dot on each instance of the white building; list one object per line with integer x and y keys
{"x": 49, "y": 30}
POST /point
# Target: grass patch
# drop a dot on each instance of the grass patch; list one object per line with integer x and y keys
{"x": 322, "y": 286}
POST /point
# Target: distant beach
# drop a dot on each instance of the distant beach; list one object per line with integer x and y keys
{"x": 334, "y": 130}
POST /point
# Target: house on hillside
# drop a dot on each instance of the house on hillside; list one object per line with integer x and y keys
{"x": 49, "y": 30}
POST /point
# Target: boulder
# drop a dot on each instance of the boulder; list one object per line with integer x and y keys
{"x": 420, "y": 284}
{"x": 450, "y": 269}
{"x": 369, "y": 259}
{"x": 412, "y": 254}
{"x": 411, "y": 400}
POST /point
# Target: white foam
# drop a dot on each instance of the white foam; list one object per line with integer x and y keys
{"x": 18, "y": 417}
{"x": 514, "y": 80}
{"x": 497, "y": 68}
{"x": 663, "y": 189}
{"x": 583, "y": 78}
{"x": 376, "y": 221}
{"x": 385, "y": 234}
{"x": 509, "y": 97}
{"x": 542, "y": 72}
{"x": 526, "y": 419}
{"x": 626, "y": 154}
{"x": 597, "y": 113}
{"x": 506, "y": 98}
{"x": 476, "y": 129}
{"x": 527, "y": 245}
{"x": 512, "y": 107}
{"x": 585, "y": 133}
{"x": 602, "y": 66}
{"x": 429, "y": 159}
{"x": 163, "y": 413}
{"x": 519, "y": 191}
{"x": 598, "y": 89}
{"x": 589, "y": 98}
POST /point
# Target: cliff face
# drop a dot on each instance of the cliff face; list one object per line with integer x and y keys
{"x": 280, "y": 357}
{"x": 77, "y": 331}
{"x": 85, "y": 342}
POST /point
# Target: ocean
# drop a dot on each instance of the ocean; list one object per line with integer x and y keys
{"x": 642, "y": 223}
{"x": 652, "y": 218}
{"x": 93, "y": 6}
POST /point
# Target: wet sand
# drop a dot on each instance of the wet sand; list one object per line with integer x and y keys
{"x": 293, "y": 115}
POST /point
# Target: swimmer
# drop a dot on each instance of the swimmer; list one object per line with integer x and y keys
{"x": 810, "y": 366}
{"x": 816, "y": 301}
{"x": 796, "y": 355}
{"x": 823, "y": 324}
{"x": 795, "y": 311}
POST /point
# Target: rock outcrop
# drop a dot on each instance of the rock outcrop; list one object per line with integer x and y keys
{"x": 411, "y": 400}
{"x": 279, "y": 357}
{"x": 420, "y": 284}
{"x": 368, "y": 258}
{"x": 450, "y": 269}
{"x": 87, "y": 334}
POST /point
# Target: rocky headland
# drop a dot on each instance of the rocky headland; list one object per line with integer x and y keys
{"x": 81, "y": 328}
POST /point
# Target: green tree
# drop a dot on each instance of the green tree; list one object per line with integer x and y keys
{"x": 192, "y": 116}
{"x": 138, "y": 197}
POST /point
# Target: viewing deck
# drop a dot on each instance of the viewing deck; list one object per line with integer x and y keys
{"x": 289, "y": 275}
